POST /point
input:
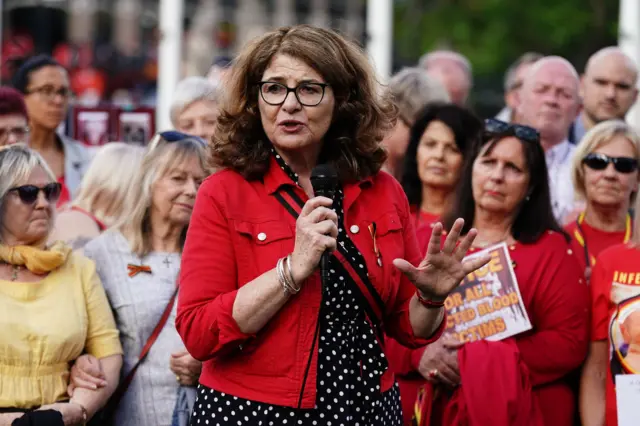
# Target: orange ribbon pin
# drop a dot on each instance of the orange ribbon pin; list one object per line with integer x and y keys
{"x": 136, "y": 269}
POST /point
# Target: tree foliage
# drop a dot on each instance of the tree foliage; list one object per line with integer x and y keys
{"x": 493, "y": 33}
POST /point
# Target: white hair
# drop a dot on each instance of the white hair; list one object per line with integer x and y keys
{"x": 188, "y": 91}
{"x": 159, "y": 158}
{"x": 108, "y": 179}
{"x": 17, "y": 162}
{"x": 428, "y": 59}
{"x": 527, "y": 58}
{"x": 412, "y": 89}
{"x": 551, "y": 59}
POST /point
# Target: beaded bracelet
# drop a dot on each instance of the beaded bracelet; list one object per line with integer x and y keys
{"x": 429, "y": 303}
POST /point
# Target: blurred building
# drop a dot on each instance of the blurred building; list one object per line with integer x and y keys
{"x": 110, "y": 46}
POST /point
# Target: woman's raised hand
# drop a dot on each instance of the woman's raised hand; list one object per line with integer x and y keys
{"x": 442, "y": 269}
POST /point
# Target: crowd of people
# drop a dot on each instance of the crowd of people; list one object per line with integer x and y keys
{"x": 200, "y": 280}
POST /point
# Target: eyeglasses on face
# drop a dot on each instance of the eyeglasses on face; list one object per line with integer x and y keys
{"x": 49, "y": 92}
{"x": 493, "y": 127}
{"x": 598, "y": 161}
{"x": 307, "y": 94}
{"x": 19, "y": 132}
{"x": 29, "y": 193}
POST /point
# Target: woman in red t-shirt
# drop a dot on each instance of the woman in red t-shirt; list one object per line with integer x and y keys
{"x": 438, "y": 139}
{"x": 504, "y": 193}
{"x": 605, "y": 175}
{"x": 615, "y": 331}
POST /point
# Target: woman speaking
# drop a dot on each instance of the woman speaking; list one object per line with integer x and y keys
{"x": 281, "y": 345}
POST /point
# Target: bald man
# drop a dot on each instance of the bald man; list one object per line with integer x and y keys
{"x": 451, "y": 69}
{"x": 549, "y": 102}
{"x": 608, "y": 89}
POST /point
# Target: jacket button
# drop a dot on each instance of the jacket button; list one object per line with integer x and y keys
{"x": 354, "y": 229}
{"x": 262, "y": 236}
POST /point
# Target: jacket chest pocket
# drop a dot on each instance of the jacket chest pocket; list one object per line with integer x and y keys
{"x": 381, "y": 249}
{"x": 260, "y": 245}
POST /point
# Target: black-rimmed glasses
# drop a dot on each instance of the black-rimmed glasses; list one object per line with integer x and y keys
{"x": 29, "y": 193}
{"x": 598, "y": 161}
{"x": 49, "y": 92}
{"x": 307, "y": 94}
{"x": 494, "y": 127}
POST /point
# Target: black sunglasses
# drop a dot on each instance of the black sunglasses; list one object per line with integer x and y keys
{"x": 29, "y": 193}
{"x": 597, "y": 161}
{"x": 493, "y": 127}
{"x": 175, "y": 136}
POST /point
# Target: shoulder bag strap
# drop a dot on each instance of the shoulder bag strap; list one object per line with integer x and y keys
{"x": 115, "y": 399}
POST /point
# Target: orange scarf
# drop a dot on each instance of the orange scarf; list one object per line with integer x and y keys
{"x": 36, "y": 260}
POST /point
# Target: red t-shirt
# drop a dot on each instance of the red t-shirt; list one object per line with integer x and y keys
{"x": 65, "y": 196}
{"x": 422, "y": 218}
{"x": 615, "y": 298}
{"x": 596, "y": 241}
{"x": 556, "y": 298}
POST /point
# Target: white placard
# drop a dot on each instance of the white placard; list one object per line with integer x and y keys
{"x": 628, "y": 399}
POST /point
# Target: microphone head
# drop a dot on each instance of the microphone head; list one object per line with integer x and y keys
{"x": 324, "y": 180}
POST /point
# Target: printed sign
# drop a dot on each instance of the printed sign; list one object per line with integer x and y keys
{"x": 487, "y": 304}
{"x": 627, "y": 399}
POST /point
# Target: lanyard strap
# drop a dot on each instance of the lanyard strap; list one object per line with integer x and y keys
{"x": 366, "y": 292}
{"x": 581, "y": 237}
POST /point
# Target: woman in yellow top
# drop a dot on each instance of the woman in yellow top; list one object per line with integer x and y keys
{"x": 52, "y": 304}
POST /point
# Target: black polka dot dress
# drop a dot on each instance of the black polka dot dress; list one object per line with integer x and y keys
{"x": 350, "y": 364}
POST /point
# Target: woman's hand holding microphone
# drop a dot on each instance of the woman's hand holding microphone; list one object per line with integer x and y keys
{"x": 316, "y": 232}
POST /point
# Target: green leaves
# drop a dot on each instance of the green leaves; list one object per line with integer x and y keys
{"x": 493, "y": 33}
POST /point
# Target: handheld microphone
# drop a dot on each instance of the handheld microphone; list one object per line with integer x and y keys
{"x": 324, "y": 180}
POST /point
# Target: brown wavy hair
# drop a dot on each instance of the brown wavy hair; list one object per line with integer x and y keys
{"x": 362, "y": 114}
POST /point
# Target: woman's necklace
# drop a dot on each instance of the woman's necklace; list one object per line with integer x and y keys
{"x": 15, "y": 269}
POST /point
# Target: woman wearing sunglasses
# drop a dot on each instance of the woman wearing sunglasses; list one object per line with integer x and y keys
{"x": 138, "y": 261}
{"x": 605, "y": 175}
{"x": 52, "y": 305}
{"x": 504, "y": 194}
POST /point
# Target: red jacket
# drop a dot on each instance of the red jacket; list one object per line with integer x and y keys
{"x": 510, "y": 401}
{"x": 238, "y": 231}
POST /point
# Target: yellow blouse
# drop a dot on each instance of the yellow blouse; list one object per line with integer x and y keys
{"x": 47, "y": 324}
